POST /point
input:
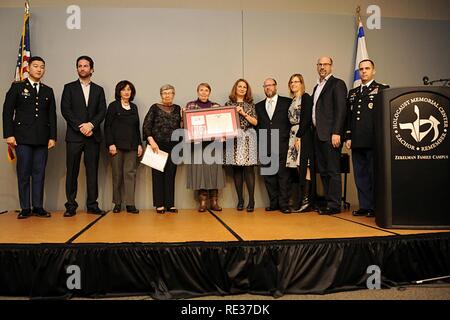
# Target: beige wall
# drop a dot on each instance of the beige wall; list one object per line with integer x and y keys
{"x": 410, "y": 9}
{"x": 187, "y": 42}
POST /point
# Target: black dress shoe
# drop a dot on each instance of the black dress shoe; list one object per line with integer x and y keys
{"x": 329, "y": 211}
{"x": 286, "y": 210}
{"x": 96, "y": 211}
{"x": 69, "y": 213}
{"x": 250, "y": 208}
{"x": 173, "y": 210}
{"x": 117, "y": 208}
{"x": 160, "y": 210}
{"x": 360, "y": 212}
{"x": 25, "y": 213}
{"x": 370, "y": 213}
{"x": 41, "y": 213}
{"x": 240, "y": 206}
{"x": 272, "y": 208}
{"x": 132, "y": 209}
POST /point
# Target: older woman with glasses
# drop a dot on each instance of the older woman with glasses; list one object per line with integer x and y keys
{"x": 162, "y": 119}
{"x": 300, "y": 152}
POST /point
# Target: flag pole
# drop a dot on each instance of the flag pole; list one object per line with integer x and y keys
{"x": 361, "y": 49}
{"x": 358, "y": 14}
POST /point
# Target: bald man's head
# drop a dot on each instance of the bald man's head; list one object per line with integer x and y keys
{"x": 324, "y": 67}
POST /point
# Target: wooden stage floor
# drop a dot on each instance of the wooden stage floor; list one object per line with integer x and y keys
{"x": 189, "y": 226}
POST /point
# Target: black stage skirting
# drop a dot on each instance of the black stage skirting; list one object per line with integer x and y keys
{"x": 185, "y": 270}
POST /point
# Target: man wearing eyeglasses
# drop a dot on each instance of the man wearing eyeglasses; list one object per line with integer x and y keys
{"x": 328, "y": 118}
{"x": 272, "y": 114}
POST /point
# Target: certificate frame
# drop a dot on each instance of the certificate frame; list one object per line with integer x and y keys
{"x": 211, "y": 123}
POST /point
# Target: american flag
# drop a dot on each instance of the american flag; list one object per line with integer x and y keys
{"x": 21, "y": 71}
{"x": 24, "y": 47}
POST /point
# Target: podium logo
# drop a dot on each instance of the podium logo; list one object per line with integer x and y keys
{"x": 415, "y": 127}
{"x": 420, "y": 124}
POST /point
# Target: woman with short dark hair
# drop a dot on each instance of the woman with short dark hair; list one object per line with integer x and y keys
{"x": 123, "y": 140}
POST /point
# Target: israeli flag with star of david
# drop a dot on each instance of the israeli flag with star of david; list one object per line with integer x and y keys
{"x": 361, "y": 52}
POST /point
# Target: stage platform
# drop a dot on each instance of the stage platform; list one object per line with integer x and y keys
{"x": 191, "y": 254}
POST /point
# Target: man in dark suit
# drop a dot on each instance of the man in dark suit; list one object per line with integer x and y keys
{"x": 272, "y": 115}
{"x": 360, "y": 135}
{"x": 328, "y": 119}
{"x": 83, "y": 105}
{"x": 29, "y": 126}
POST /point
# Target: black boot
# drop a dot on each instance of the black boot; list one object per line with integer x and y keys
{"x": 213, "y": 196}
{"x": 202, "y": 199}
{"x": 306, "y": 201}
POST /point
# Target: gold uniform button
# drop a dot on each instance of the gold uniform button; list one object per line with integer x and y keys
{"x": 357, "y": 119}
{"x": 37, "y": 109}
{"x": 357, "y": 112}
{"x": 359, "y": 107}
{"x": 36, "y": 116}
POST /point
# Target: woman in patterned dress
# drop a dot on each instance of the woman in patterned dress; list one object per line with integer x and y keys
{"x": 204, "y": 178}
{"x": 243, "y": 155}
{"x": 300, "y": 152}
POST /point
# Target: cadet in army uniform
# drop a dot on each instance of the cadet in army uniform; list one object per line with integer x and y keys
{"x": 29, "y": 126}
{"x": 360, "y": 135}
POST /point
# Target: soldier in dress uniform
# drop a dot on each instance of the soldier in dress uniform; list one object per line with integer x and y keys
{"x": 29, "y": 126}
{"x": 360, "y": 135}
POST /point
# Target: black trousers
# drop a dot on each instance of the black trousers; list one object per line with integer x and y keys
{"x": 164, "y": 182}
{"x": 278, "y": 185}
{"x": 31, "y": 162}
{"x": 91, "y": 151}
{"x": 329, "y": 167}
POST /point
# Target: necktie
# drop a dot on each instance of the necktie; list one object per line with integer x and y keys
{"x": 270, "y": 108}
{"x": 35, "y": 86}
{"x": 364, "y": 89}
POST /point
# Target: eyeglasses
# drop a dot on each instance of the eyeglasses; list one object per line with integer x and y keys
{"x": 269, "y": 85}
{"x": 323, "y": 64}
{"x": 295, "y": 81}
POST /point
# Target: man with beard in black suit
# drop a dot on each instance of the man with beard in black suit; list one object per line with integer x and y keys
{"x": 83, "y": 105}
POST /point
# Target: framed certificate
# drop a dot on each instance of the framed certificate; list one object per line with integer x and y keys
{"x": 211, "y": 123}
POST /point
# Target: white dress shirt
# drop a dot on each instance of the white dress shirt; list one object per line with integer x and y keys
{"x": 37, "y": 85}
{"x": 320, "y": 85}
{"x": 86, "y": 89}
{"x": 271, "y": 108}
